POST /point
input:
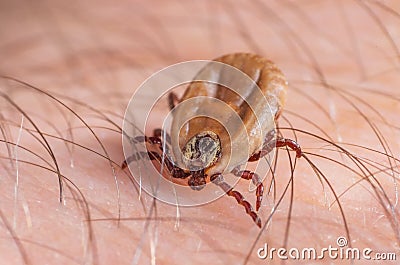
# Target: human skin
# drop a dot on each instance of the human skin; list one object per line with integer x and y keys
{"x": 99, "y": 53}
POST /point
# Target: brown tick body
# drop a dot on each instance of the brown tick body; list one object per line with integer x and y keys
{"x": 207, "y": 149}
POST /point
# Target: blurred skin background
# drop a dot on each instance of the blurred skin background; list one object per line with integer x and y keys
{"x": 341, "y": 59}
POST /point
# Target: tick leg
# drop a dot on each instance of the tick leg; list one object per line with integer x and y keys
{"x": 218, "y": 179}
{"x": 280, "y": 142}
{"x": 176, "y": 172}
{"x": 141, "y": 139}
{"x": 161, "y": 133}
{"x": 267, "y": 147}
{"x": 145, "y": 139}
{"x": 137, "y": 156}
{"x": 172, "y": 98}
{"x": 246, "y": 174}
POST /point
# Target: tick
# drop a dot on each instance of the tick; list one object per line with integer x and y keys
{"x": 207, "y": 151}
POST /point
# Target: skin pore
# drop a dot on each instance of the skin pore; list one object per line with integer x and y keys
{"x": 341, "y": 59}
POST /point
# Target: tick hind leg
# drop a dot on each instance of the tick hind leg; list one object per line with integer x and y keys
{"x": 218, "y": 179}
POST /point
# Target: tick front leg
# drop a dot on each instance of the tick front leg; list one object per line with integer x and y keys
{"x": 218, "y": 179}
{"x": 159, "y": 133}
{"x": 175, "y": 171}
{"x": 137, "y": 156}
{"x": 246, "y": 174}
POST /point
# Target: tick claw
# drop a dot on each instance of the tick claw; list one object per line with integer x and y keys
{"x": 258, "y": 222}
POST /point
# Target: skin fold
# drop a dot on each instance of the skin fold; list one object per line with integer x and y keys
{"x": 341, "y": 59}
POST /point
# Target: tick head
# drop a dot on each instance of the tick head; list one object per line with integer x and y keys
{"x": 202, "y": 151}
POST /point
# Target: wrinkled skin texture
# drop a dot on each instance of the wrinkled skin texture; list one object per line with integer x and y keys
{"x": 98, "y": 53}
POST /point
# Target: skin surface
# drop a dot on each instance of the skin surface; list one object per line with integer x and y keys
{"x": 342, "y": 62}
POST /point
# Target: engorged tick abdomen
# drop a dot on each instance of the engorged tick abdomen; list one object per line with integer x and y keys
{"x": 257, "y": 116}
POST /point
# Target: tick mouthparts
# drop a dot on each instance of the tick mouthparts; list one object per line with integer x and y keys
{"x": 198, "y": 180}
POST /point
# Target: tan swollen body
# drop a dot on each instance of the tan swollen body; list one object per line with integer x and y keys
{"x": 252, "y": 110}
